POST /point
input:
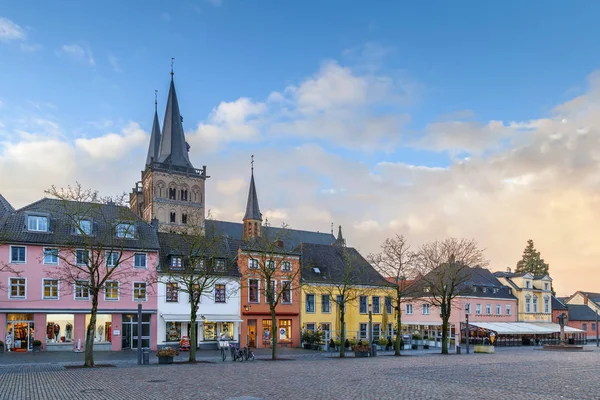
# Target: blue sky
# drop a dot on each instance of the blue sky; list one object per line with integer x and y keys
{"x": 470, "y": 118}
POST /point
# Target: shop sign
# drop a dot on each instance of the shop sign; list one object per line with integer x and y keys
{"x": 116, "y": 332}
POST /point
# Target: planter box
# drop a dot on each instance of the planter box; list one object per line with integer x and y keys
{"x": 37, "y": 349}
{"x": 165, "y": 360}
{"x": 415, "y": 346}
{"x": 314, "y": 346}
{"x": 483, "y": 348}
{"x": 307, "y": 346}
{"x": 361, "y": 354}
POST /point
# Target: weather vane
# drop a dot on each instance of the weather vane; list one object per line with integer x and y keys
{"x": 252, "y": 163}
{"x": 172, "y": 62}
{"x": 155, "y": 100}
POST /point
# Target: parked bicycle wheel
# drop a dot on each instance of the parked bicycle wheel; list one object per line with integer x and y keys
{"x": 223, "y": 354}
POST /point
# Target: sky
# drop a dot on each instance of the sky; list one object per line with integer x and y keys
{"x": 428, "y": 119}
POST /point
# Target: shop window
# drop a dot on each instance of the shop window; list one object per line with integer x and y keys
{"x": 51, "y": 289}
{"x": 173, "y": 331}
{"x": 59, "y": 328}
{"x": 225, "y": 330}
{"x": 362, "y": 304}
{"x": 376, "y": 305}
{"x": 103, "y": 331}
{"x": 285, "y": 330}
{"x": 325, "y": 303}
{"x": 17, "y": 288}
{"x": 82, "y": 290}
{"x": 219, "y": 293}
{"x": 139, "y": 291}
{"x": 17, "y": 254}
{"x": 266, "y": 331}
{"x": 50, "y": 256}
{"x": 172, "y": 292}
{"x": 139, "y": 260}
{"x": 253, "y": 289}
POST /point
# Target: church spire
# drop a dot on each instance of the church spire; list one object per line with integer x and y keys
{"x": 173, "y": 147}
{"x": 253, "y": 217}
{"x": 154, "y": 147}
{"x": 340, "y": 241}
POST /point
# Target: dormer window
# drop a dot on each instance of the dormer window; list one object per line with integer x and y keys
{"x": 527, "y": 284}
{"x": 176, "y": 262}
{"x": 125, "y": 231}
{"x": 427, "y": 289}
{"x": 37, "y": 223}
{"x": 484, "y": 290}
{"x": 546, "y": 286}
{"x": 84, "y": 227}
{"x": 220, "y": 265}
{"x": 316, "y": 270}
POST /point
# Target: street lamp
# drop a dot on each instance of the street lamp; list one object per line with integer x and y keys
{"x": 467, "y": 328}
{"x": 371, "y": 329}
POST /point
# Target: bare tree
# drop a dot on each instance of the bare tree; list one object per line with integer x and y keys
{"x": 272, "y": 263}
{"x": 444, "y": 266}
{"x": 344, "y": 278}
{"x": 8, "y": 269}
{"x": 396, "y": 261}
{"x": 198, "y": 262}
{"x": 96, "y": 236}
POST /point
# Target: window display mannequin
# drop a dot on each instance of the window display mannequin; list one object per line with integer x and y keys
{"x": 69, "y": 331}
{"x": 56, "y": 332}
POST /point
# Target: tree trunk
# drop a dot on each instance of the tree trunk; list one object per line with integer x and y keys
{"x": 399, "y": 334}
{"x": 273, "y": 333}
{"x": 90, "y": 332}
{"x": 343, "y": 333}
{"x": 193, "y": 334}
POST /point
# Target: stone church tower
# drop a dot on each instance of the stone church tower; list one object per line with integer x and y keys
{"x": 252, "y": 217}
{"x": 171, "y": 190}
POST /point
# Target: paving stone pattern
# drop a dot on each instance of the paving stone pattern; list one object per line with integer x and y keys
{"x": 516, "y": 373}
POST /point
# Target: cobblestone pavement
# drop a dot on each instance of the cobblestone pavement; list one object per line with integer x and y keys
{"x": 517, "y": 373}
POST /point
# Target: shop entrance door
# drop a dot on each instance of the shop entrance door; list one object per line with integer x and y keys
{"x": 126, "y": 337}
{"x": 252, "y": 333}
{"x": 20, "y": 330}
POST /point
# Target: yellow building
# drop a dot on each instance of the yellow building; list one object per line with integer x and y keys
{"x": 533, "y": 293}
{"x": 330, "y": 271}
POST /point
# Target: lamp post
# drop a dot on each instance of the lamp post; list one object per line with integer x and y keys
{"x": 139, "y": 335}
{"x": 467, "y": 330}
{"x": 371, "y": 329}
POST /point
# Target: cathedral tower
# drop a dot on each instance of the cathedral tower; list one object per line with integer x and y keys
{"x": 171, "y": 190}
{"x": 253, "y": 217}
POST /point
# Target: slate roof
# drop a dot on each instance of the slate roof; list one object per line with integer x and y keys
{"x": 5, "y": 208}
{"x": 252, "y": 209}
{"x": 154, "y": 147}
{"x": 557, "y": 304}
{"x": 173, "y": 147}
{"x": 292, "y": 239}
{"x": 579, "y": 312}
{"x": 175, "y": 244}
{"x": 595, "y": 297}
{"x": 332, "y": 265}
{"x": 62, "y": 232}
{"x": 478, "y": 282}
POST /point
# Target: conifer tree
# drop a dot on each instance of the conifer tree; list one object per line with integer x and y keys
{"x": 532, "y": 262}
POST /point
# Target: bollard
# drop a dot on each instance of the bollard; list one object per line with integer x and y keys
{"x": 146, "y": 356}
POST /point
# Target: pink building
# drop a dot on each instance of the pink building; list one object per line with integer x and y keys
{"x": 37, "y": 304}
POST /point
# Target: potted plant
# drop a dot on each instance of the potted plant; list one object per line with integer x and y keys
{"x": 383, "y": 343}
{"x": 307, "y": 339}
{"x": 332, "y": 344}
{"x": 390, "y": 345}
{"x": 316, "y": 339}
{"x": 426, "y": 342}
{"x": 165, "y": 355}
{"x": 347, "y": 344}
{"x": 361, "y": 350}
{"x": 37, "y": 345}
{"x": 1, "y": 346}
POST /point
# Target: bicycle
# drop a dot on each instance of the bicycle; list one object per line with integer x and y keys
{"x": 248, "y": 353}
{"x": 223, "y": 353}
{"x": 236, "y": 352}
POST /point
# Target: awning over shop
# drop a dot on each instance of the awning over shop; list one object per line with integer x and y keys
{"x": 207, "y": 318}
{"x": 523, "y": 328}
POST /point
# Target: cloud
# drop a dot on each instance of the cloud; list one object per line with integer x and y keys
{"x": 82, "y": 53}
{"x": 114, "y": 63}
{"x": 30, "y": 48}
{"x": 10, "y": 31}
{"x": 112, "y": 146}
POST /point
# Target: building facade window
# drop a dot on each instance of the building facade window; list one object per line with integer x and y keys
{"x": 286, "y": 292}
{"x": 528, "y": 304}
{"x": 139, "y": 260}
{"x": 310, "y": 303}
{"x": 82, "y": 257}
{"x": 176, "y": 262}
{"x": 17, "y": 288}
{"x": 50, "y": 256}
{"x": 139, "y": 291}
{"x": 409, "y": 309}
{"x": 84, "y": 227}
{"x": 111, "y": 291}
{"x": 311, "y": 327}
{"x": 468, "y": 308}
{"x": 285, "y": 330}
{"x": 17, "y": 254}
{"x": 271, "y": 292}
{"x": 388, "y": 304}
{"x": 126, "y": 231}
{"x": 220, "y": 294}
{"x": 339, "y": 299}
{"x": 584, "y": 326}
{"x": 478, "y": 309}
{"x": 37, "y": 223}
{"x": 172, "y": 292}
{"x": 362, "y": 304}
{"x": 426, "y": 308}
{"x": 112, "y": 258}
{"x": 270, "y": 264}
{"x": 325, "y": 303}
{"x": 376, "y": 331}
{"x": 535, "y": 304}
{"x": 82, "y": 290}
{"x": 362, "y": 331}
{"x": 194, "y": 294}
{"x": 184, "y": 218}
{"x": 376, "y": 305}
{"x": 252, "y": 263}
{"x": 253, "y": 289}
{"x": 286, "y": 266}
{"x": 220, "y": 265}
{"x": 527, "y": 284}
{"x": 50, "y": 289}
{"x": 546, "y": 305}
{"x": 508, "y": 311}
{"x": 546, "y": 286}
{"x": 172, "y": 217}
{"x": 498, "y": 309}
{"x": 488, "y": 309}
{"x": 593, "y": 326}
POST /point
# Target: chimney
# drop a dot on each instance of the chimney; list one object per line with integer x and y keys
{"x": 279, "y": 243}
{"x": 508, "y": 270}
{"x": 154, "y": 223}
{"x": 585, "y": 300}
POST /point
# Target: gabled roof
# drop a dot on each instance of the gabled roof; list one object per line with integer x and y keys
{"x": 181, "y": 245}
{"x": 104, "y": 218}
{"x": 557, "y": 304}
{"x": 5, "y": 208}
{"x": 252, "y": 209}
{"x": 595, "y": 297}
{"x": 579, "y": 312}
{"x": 173, "y": 147}
{"x": 154, "y": 147}
{"x": 333, "y": 264}
{"x": 291, "y": 237}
